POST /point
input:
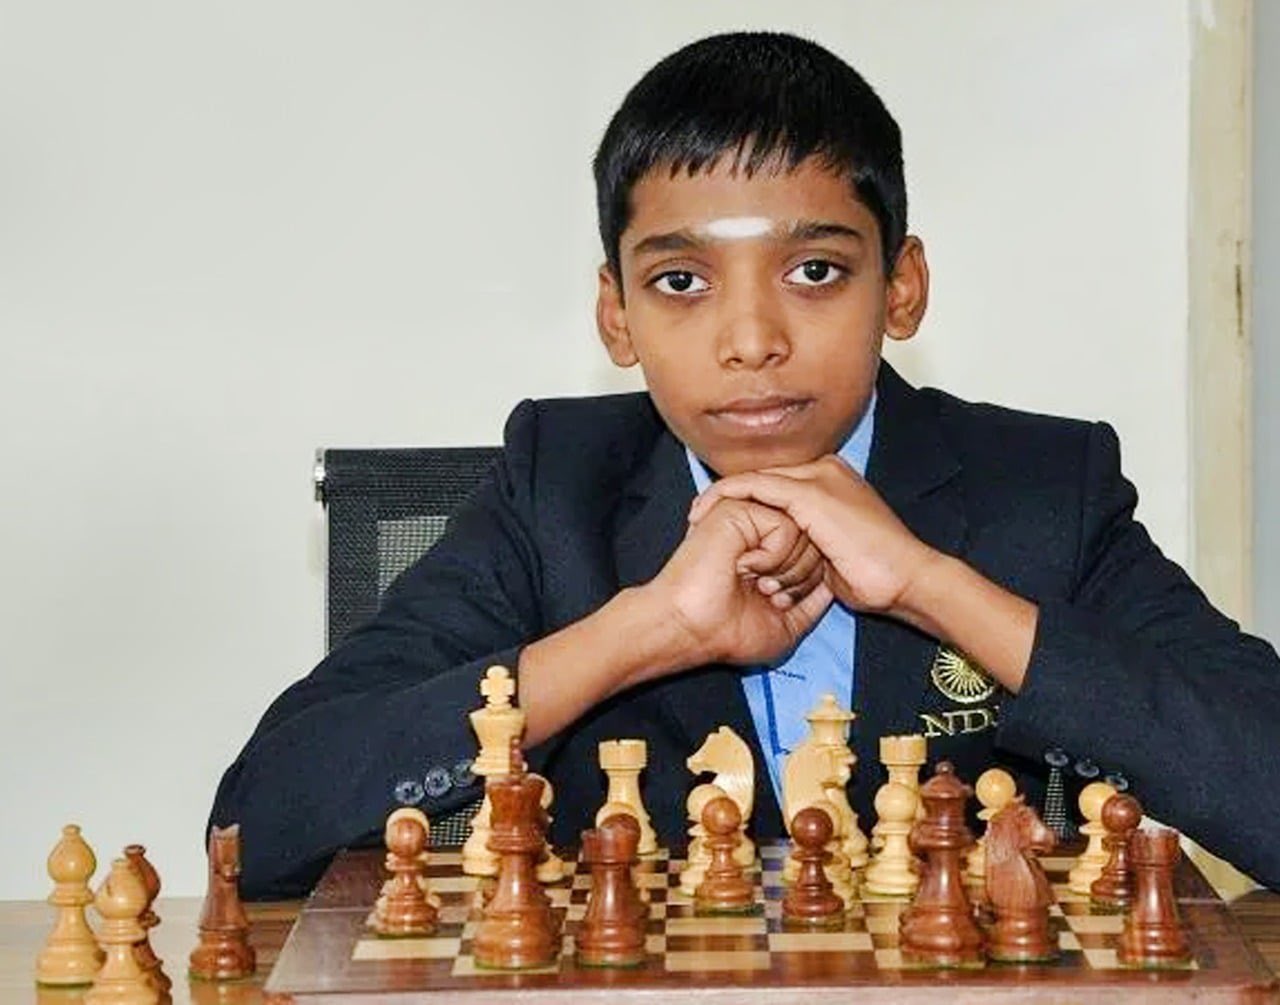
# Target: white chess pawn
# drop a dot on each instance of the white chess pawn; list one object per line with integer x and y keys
{"x": 892, "y": 872}
{"x": 71, "y": 954}
{"x": 995, "y": 789}
{"x": 1088, "y": 866}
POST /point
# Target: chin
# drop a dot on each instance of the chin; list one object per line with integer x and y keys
{"x": 735, "y": 462}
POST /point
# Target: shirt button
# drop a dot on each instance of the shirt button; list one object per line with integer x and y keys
{"x": 1056, "y": 757}
{"x": 1117, "y": 781}
{"x": 408, "y": 792}
{"x": 437, "y": 782}
{"x": 1086, "y": 768}
{"x": 463, "y": 775}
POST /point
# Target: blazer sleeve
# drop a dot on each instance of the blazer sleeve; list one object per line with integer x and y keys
{"x": 389, "y": 704}
{"x": 1137, "y": 671}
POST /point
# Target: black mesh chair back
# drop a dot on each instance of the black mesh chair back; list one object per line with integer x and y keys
{"x": 386, "y": 508}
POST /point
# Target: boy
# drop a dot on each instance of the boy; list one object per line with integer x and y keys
{"x": 753, "y": 215}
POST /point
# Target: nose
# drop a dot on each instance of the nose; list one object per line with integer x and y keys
{"x": 753, "y": 335}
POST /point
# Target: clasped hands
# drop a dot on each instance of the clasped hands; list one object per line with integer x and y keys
{"x": 768, "y": 551}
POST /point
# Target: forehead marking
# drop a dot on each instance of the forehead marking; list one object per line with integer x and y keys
{"x": 731, "y": 228}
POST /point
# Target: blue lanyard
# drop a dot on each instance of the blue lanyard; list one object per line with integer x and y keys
{"x": 771, "y": 714}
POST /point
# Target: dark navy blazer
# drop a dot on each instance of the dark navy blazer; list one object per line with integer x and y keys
{"x": 1131, "y": 670}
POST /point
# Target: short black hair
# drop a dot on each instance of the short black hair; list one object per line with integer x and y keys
{"x": 768, "y": 97}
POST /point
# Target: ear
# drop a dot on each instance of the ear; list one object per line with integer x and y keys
{"x": 907, "y": 295}
{"x": 611, "y": 319}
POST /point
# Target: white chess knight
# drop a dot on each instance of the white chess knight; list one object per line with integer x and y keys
{"x": 727, "y": 756}
{"x": 496, "y": 724}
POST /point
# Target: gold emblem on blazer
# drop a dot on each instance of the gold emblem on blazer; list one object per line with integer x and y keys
{"x": 959, "y": 678}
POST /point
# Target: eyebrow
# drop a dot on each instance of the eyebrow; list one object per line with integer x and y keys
{"x": 798, "y": 230}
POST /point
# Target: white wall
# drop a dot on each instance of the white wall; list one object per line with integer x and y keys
{"x": 1266, "y": 320}
{"x": 232, "y": 232}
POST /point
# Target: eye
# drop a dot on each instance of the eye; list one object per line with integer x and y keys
{"x": 680, "y": 282}
{"x": 815, "y": 272}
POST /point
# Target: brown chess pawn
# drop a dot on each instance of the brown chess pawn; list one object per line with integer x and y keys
{"x": 938, "y": 929}
{"x": 120, "y": 900}
{"x": 71, "y": 955}
{"x": 627, "y": 820}
{"x": 1121, "y": 815}
{"x": 812, "y": 899}
{"x": 403, "y": 909}
{"x": 612, "y": 933}
{"x": 150, "y": 963}
{"x": 518, "y": 928}
{"x": 224, "y": 953}
{"x": 1153, "y": 934}
{"x": 724, "y": 889}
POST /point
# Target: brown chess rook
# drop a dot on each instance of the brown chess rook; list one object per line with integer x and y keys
{"x": 151, "y": 964}
{"x": 1153, "y": 935}
{"x": 224, "y": 953}
{"x": 1121, "y": 815}
{"x": 612, "y": 933}
{"x": 518, "y": 929}
{"x": 1017, "y": 891}
{"x": 405, "y": 909}
{"x": 724, "y": 888}
{"x": 812, "y": 900}
{"x": 938, "y": 929}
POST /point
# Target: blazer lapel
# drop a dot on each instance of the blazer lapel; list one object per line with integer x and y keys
{"x": 914, "y": 470}
{"x": 649, "y": 527}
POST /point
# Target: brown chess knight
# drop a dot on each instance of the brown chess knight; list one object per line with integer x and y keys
{"x": 1017, "y": 889}
{"x": 224, "y": 952}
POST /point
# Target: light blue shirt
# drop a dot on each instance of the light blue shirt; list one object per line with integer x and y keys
{"x": 782, "y": 694}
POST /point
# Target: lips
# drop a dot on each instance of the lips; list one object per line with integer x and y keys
{"x": 760, "y": 414}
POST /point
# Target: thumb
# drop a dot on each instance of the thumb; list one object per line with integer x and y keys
{"x": 807, "y": 612}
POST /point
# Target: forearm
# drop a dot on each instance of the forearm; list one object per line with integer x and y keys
{"x": 958, "y": 605}
{"x": 628, "y": 640}
{"x": 329, "y": 758}
{"x": 1191, "y": 726}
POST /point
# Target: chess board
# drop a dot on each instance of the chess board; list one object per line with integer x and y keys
{"x": 332, "y": 952}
